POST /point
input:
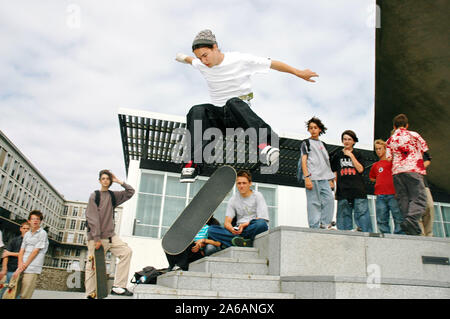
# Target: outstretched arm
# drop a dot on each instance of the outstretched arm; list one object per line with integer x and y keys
{"x": 303, "y": 74}
{"x": 183, "y": 58}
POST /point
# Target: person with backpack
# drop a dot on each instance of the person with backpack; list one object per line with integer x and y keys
{"x": 100, "y": 232}
{"x": 319, "y": 179}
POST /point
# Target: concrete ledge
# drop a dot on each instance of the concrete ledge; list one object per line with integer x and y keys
{"x": 294, "y": 251}
{"x": 334, "y": 287}
{"x": 365, "y": 280}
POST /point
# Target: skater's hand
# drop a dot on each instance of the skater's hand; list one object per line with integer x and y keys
{"x": 98, "y": 244}
{"x": 307, "y": 75}
{"x": 181, "y": 58}
{"x": 308, "y": 183}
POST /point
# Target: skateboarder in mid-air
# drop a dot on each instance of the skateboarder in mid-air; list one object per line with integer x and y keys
{"x": 100, "y": 226}
{"x": 228, "y": 76}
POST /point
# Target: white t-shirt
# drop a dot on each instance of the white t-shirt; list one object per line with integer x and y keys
{"x": 247, "y": 208}
{"x": 231, "y": 78}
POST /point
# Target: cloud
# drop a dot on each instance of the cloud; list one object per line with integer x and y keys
{"x": 66, "y": 67}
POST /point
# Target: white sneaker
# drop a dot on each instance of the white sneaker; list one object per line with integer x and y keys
{"x": 270, "y": 155}
{"x": 189, "y": 173}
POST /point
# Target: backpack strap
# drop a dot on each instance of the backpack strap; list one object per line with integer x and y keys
{"x": 97, "y": 198}
{"x": 113, "y": 199}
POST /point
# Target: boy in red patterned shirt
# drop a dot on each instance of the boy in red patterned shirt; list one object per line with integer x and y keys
{"x": 381, "y": 174}
{"x": 406, "y": 149}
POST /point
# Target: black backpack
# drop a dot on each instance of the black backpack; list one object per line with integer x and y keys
{"x": 113, "y": 198}
{"x": 299, "y": 164}
{"x": 147, "y": 275}
{"x": 97, "y": 202}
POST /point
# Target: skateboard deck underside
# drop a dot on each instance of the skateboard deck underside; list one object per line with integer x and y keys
{"x": 100, "y": 273}
{"x": 199, "y": 210}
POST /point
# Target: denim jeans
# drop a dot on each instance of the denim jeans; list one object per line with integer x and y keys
{"x": 384, "y": 204}
{"x": 320, "y": 204}
{"x": 210, "y": 249}
{"x": 358, "y": 207}
{"x": 9, "y": 275}
{"x": 224, "y": 236}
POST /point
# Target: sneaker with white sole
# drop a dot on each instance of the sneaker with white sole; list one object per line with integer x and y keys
{"x": 189, "y": 173}
{"x": 270, "y": 155}
{"x": 121, "y": 292}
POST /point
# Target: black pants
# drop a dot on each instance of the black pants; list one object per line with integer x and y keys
{"x": 235, "y": 114}
{"x": 183, "y": 259}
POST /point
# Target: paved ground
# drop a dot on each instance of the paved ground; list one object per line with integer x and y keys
{"x": 48, "y": 294}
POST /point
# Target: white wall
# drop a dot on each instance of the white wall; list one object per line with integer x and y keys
{"x": 292, "y": 206}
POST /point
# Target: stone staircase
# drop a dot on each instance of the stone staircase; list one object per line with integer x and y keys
{"x": 236, "y": 273}
{"x": 292, "y": 262}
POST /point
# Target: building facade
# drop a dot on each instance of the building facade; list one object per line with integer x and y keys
{"x": 23, "y": 189}
{"x": 148, "y": 139}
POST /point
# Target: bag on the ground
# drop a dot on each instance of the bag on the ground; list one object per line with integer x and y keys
{"x": 147, "y": 275}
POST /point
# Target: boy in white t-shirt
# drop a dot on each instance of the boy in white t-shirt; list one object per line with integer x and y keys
{"x": 228, "y": 76}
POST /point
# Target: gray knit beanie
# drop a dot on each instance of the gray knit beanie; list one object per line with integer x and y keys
{"x": 204, "y": 37}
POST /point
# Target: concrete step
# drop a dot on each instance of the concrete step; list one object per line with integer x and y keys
{"x": 161, "y": 292}
{"x": 220, "y": 282}
{"x": 224, "y": 265}
{"x": 239, "y": 253}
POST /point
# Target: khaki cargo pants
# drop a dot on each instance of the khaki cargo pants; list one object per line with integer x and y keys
{"x": 119, "y": 249}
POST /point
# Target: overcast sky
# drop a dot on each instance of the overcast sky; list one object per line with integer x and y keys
{"x": 67, "y": 66}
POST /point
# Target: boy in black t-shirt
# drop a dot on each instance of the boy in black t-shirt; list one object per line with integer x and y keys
{"x": 351, "y": 195}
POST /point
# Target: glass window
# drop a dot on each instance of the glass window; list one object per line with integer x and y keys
{"x": 445, "y": 213}
{"x": 195, "y": 187}
{"x": 269, "y": 195}
{"x": 14, "y": 169}
{"x": 220, "y": 212}
{"x": 70, "y": 237}
{"x": 172, "y": 208}
{"x": 148, "y": 209}
{"x": 151, "y": 183}
{"x": 447, "y": 229}
{"x": 6, "y": 163}
{"x": 174, "y": 187}
{"x": 2, "y": 179}
{"x": 2, "y": 156}
{"x": 171, "y": 201}
{"x": 146, "y": 231}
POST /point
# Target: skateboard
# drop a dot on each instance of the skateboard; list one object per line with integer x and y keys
{"x": 13, "y": 288}
{"x": 182, "y": 232}
{"x": 101, "y": 278}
